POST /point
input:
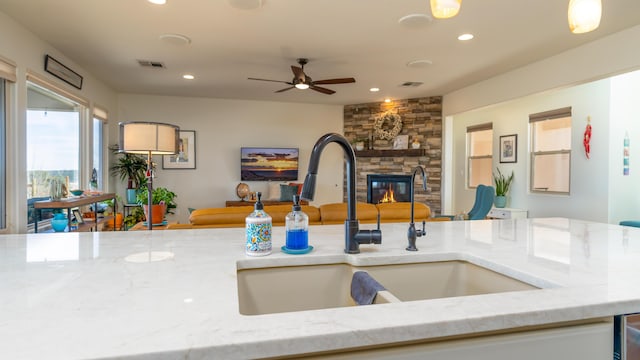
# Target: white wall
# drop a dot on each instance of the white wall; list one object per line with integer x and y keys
{"x": 27, "y": 51}
{"x": 624, "y": 191}
{"x": 222, "y": 127}
{"x": 608, "y": 56}
{"x": 589, "y": 177}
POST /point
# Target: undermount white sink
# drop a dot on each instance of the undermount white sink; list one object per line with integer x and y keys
{"x": 309, "y": 287}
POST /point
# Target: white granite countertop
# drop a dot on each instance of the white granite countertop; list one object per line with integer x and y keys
{"x": 96, "y": 295}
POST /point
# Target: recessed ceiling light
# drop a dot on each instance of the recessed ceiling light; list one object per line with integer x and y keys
{"x": 465, "y": 37}
{"x": 374, "y": 89}
{"x": 188, "y": 76}
{"x": 246, "y": 4}
{"x": 419, "y": 63}
{"x": 175, "y": 39}
{"x": 387, "y": 100}
{"x": 158, "y": 2}
{"x": 415, "y": 21}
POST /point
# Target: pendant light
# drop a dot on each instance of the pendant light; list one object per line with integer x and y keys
{"x": 444, "y": 9}
{"x": 584, "y": 15}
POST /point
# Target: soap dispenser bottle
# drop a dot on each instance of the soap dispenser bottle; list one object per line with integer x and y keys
{"x": 258, "y": 231}
{"x": 297, "y": 227}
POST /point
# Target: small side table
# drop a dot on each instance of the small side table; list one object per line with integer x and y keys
{"x": 507, "y": 213}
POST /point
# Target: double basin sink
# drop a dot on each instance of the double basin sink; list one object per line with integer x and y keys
{"x": 309, "y": 287}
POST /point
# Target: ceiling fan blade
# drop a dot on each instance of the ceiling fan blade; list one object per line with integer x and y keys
{"x": 279, "y": 81}
{"x": 321, "y": 89}
{"x": 298, "y": 73}
{"x": 335, "y": 81}
{"x": 285, "y": 89}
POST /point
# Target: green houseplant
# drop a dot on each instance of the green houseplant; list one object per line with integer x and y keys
{"x": 503, "y": 184}
{"x": 131, "y": 168}
{"x": 162, "y": 200}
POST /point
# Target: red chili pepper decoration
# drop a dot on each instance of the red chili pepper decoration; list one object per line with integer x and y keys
{"x": 587, "y": 138}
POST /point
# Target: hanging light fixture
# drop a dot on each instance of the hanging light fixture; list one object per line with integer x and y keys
{"x": 444, "y": 9}
{"x": 584, "y": 15}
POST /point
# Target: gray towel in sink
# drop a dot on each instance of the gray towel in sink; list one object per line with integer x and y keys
{"x": 364, "y": 288}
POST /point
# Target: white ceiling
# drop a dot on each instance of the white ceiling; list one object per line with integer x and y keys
{"x": 342, "y": 38}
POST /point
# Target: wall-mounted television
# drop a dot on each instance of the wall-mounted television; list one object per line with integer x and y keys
{"x": 264, "y": 164}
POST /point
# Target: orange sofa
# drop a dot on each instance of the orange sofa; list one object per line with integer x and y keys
{"x": 325, "y": 214}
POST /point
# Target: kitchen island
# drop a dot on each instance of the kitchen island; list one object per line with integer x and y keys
{"x": 174, "y": 294}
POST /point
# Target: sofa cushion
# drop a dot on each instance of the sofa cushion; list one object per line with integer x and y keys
{"x": 337, "y": 213}
{"x": 287, "y": 192}
{"x": 401, "y": 212}
{"x": 220, "y": 216}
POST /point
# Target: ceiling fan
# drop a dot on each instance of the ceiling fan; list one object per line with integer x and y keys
{"x": 303, "y": 81}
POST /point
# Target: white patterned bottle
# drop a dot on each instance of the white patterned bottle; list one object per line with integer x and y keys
{"x": 258, "y": 231}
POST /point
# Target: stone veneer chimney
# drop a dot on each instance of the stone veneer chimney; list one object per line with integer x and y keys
{"x": 421, "y": 120}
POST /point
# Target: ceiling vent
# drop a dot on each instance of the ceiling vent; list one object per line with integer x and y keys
{"x": 152, "y": 64}
{"x": 411, "y": 84}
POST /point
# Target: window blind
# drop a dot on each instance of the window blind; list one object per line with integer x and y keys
{"x": 551, "y": 114}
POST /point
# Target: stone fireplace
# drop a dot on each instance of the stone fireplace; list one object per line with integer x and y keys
{"x": 421, "y": 122}
{"x": 383, "y": 188}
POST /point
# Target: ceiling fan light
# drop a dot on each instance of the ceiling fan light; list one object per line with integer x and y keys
{"x": 302, "y": 86}
{"x": 444, "y": 9}
{"x": 584, "y": 15}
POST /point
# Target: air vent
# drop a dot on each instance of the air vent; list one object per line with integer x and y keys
{"x": 411, "y": 84}
{"x": 153, "y": 64}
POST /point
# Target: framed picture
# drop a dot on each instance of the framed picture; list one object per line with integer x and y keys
{"x": 78, "y": 216}
{"x": 509, "y": 148}
{"x": 186, "y": 156}
{"x": 401, "y": 142}
{"x": 57, "y": 69}
{"x": 268, "y": 164}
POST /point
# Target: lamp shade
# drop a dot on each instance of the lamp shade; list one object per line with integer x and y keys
{"x": 143, "y": 137}
{"x": 584, "y": 15}
{"x": 443, "y": 9}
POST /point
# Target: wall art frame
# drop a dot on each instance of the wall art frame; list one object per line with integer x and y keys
{"x": 186, "y": 156}
{"x": 509, "y": 149}
{"x": 59, "y": 70}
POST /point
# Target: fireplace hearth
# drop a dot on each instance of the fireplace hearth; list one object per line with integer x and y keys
{"x": 388, "y": 188}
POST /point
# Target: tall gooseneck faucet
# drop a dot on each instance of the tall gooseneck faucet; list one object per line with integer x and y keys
{"x": 353, "y": 236}
{"x": 412, "y": 233}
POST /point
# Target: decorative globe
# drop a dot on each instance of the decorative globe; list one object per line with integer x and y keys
{"x": 242, "y": 190}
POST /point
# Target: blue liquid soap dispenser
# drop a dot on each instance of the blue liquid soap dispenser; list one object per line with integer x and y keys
{"x": 297, "y": 229}
{"x": 258, "y": 231}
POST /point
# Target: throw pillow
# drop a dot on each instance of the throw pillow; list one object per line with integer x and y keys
{"x": 287, "y": 192}
{"x": 299, "y": 185}
{"x": 274, "y": 192}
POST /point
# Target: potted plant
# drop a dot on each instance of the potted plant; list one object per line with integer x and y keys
{"x": 131, "y": 168}
{"x": 503, "y": 185}
{"x": 162, "y": 201}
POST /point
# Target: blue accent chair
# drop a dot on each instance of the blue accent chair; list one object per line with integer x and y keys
{"x": 482, "y": 205}
{"x": 634, "y": 223}
{"x": 487, "y": 194}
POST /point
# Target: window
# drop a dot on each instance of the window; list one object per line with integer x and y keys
{"x": 53, "y": 127}
{"x": 479, "y": 155}
{"x": 551, "y": 151}
{"x": 99, "y": 121}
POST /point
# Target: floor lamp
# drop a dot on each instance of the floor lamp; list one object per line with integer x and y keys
{"x": 150, "y": 138}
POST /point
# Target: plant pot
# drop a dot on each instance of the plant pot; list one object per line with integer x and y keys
{"x": 500, "y": 201}
{"x": 131, "y": 196}
{"x": 116, "y": 222}
{"x": 157, "y": 213}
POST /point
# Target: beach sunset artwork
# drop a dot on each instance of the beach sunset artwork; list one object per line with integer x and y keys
{"x": 264, "y": 164}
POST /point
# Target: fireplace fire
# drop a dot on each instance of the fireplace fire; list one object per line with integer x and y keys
{"x": 388, "y": 196}
{"x": 383, "y": 188}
